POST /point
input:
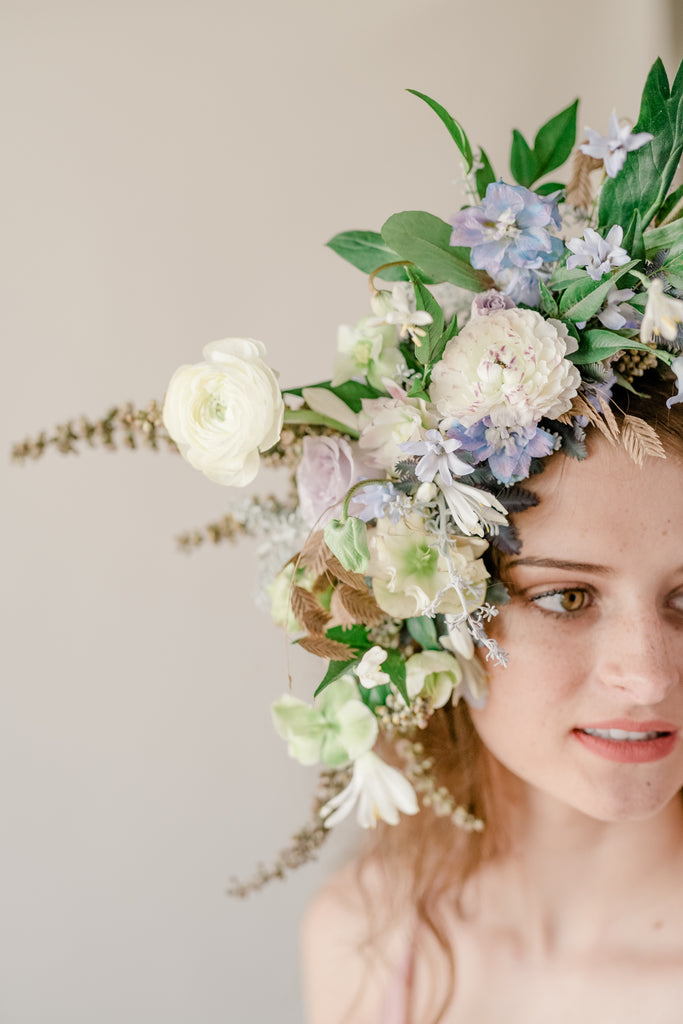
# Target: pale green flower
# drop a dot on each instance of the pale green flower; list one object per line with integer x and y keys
{"x": 369, "y": 350}
{"x": 409, "y": 575}
{"x": 279, "y": 591}
{"x": 434, "y": 675}
{"x": 338, "y": 729}
{"x": 663, "y": 314}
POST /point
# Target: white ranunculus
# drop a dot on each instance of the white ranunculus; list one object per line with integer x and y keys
{"x": 224, "y": 411}
{"x": 510, "y": 366}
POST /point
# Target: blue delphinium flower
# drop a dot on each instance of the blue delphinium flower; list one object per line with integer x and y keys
{"x": 509, "y": 450}
{"x": 438, "y": 458}
{"x": 508, "y": 230}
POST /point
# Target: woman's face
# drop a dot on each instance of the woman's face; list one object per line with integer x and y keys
{"x": 590, "y": 706}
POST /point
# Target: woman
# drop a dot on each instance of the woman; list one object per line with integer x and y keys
{"x": 574, "y": 906}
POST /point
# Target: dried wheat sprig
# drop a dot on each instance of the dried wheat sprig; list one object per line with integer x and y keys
{"x": 580, "y": 191}
{"x": 305, "y": 843}
{"x": 124, "y": 424}
{"x": 235, "y": 524}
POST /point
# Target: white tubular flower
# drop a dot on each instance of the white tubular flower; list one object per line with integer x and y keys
{"x": 410, "y": 322}
{"x": 221, "y": 413}
{"x": 598, "y": 255}
{"x": 509, "y": 365}
{"x": 379, "y": 790}
{"x": 458, "y": 639}
{"x": 368, "y": 668}
{"x": 662, "y": 316}
{"x": 473, "y": 509}
{"x": 435, "y": 675}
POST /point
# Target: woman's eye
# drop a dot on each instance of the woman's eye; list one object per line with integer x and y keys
{"x": 676, "y": 601}
{"x": 562, "y": 602}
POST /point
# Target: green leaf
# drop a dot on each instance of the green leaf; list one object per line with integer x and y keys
{"x": 367, "y": 250}
{"x": 395, "y": 667}
{"x": 522, "y": 161}
{"x": 645, "y": 179}
{"x": 548, "y": 303}
{"x": 350, "y": 391}
{"x": 548, "y": 187}
{"x": 600, "y": 344}
{"x": 669, "y": 205}
{"x": 673, "y": 272}
{"x": 348, "y": 540}
{"x": 424, "y": 239}
{"x": 553, "y": 144}
{"x": 583, "y": 299}
{"x": 555, "y": 140}
{"x": 668, "y": 236}
{"x": 455, "y": 130}
{"x": 634, "y": 241}
{"x": 424, "y": 300}
{"x": 423, "y": 630}
{"x": 562, "y": 278}
{"x": 335, "y": 670}
{"x": 352, "y": 636}
{"x": 485, "y": 175}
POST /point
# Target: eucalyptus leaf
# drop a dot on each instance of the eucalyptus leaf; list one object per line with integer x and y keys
{"x": 548, "y": 187}
{"x": 455, "y": 130}
{"x": 367, "y": 250}
{"x": 424, "y": 239}
{"x": 645, "y": 179}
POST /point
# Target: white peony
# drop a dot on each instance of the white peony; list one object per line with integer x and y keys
{"x": 510, "y": 366}
{"x": 221, "y": 413}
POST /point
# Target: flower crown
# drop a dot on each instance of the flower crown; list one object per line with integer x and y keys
{"x": 500, "y": 340}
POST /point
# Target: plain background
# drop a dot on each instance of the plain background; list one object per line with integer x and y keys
{"x": 170, "y": 172}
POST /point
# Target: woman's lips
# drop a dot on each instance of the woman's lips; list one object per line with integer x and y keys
{"x": 628, "y": 742}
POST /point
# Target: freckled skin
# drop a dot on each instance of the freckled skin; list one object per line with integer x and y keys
{"x": 619, "y": 655}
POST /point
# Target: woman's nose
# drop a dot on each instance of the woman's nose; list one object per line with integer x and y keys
{"x": 638, "y": 657}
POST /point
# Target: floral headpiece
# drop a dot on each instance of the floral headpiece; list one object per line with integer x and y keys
{"x": 502, "y": 339}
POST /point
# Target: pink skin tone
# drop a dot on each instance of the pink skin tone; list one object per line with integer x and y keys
{"x": 594, "y": 631}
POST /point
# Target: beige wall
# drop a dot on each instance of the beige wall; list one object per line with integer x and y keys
{"x": 170, "y": 171}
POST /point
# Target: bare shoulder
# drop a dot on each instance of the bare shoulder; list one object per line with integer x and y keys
{"x": 354, "y": 940}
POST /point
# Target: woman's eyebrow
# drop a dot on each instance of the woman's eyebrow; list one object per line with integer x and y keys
{"x": 559, "y": 563}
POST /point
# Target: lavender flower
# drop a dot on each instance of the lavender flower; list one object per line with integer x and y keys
{"x": 438, "y": 458}
{"x": 598, "y": 255}
{"x": 509, "y": 450}
{"x": 490, "y": 302}
{"x": 508, "y": 229}
{"x": 613, "y": 149}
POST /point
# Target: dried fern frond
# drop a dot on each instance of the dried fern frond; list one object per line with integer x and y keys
{"x": 124, "y": 424}
{"x": 641, "y": 440}
{"x": 305, "y": 843}
{"x": 323, "y": 647}
{"x": 308, "y": 611}
{"x": 607, "y": 427}
{"x": 580, "y": 191}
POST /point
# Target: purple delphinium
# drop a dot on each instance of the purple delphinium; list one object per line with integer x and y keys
{"x": 508, "y": 229}
{"x": 438, "y": 458}
{"x": 509, "y": 450}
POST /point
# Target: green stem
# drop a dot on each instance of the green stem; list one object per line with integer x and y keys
{"x": 308, "y": 416}
{"x": 352, "y": 490}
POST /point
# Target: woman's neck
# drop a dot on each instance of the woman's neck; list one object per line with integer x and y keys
{"x": 568, "y": 883}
